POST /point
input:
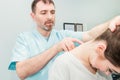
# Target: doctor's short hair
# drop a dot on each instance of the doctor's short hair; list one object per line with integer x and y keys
{"x": 112, "y": 39}
{"x": 33, "y": 5}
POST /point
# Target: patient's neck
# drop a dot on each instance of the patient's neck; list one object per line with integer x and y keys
{"x": 83, "y": 53}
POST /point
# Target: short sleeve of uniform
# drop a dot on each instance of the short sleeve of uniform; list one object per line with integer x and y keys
{"x": 72, "y": 34}
{"x": 68, "y": 33}
{"x": 58, "y": 71}
{"x": 20, "y": 51}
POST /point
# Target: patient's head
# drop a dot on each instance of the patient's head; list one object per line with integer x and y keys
{"x": 107, "y": 52}
{"x": 112, "y": 39}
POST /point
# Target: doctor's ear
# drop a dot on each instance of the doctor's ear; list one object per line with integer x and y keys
{"x": 32, "y": 15}
{"x": 101, "y": 47}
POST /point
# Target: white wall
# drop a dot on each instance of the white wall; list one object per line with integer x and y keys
{"x": 88, "y": 12}
{"x": 14, "y": 18}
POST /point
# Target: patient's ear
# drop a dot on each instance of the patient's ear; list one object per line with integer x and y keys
{"x": 101, "y": 47}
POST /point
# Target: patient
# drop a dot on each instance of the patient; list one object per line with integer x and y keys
{"x": 93, "y": 60}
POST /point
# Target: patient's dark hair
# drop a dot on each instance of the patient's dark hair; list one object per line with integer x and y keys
{"x": 112, "y": 52}
{"x": 33, "y": 6}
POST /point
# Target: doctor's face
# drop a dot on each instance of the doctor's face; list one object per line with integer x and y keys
{"x": 44, "y": 16}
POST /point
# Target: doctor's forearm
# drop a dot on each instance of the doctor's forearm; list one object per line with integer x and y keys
{"x": 95, "y": 32}
{"x": 31, "y": 66}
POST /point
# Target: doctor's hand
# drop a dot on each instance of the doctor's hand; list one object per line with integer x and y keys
{"x": 67, "y": 44}
{"x": 114, "y": 22}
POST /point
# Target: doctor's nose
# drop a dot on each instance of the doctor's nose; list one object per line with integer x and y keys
{"x": 107, "y": 73}
{"x": 49, "y": 16}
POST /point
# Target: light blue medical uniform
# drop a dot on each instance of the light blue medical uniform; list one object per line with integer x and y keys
{"x": 32, "y": 43}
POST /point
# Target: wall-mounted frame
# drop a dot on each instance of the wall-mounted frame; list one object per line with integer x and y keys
{"x": 73, "y": 26}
